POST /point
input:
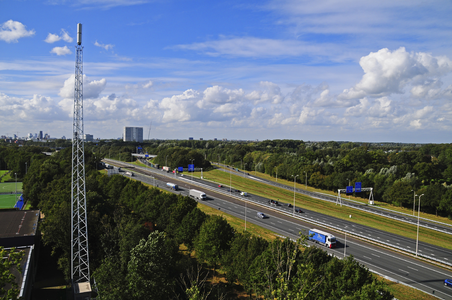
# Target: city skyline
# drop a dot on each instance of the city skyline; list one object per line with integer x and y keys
{"x": 336, "y": 70}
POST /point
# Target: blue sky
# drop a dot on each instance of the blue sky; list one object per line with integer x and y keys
{"x": 312, "y": 70}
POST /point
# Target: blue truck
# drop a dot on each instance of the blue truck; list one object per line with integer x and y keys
{"x": 321, "y": 237}
{"x": 172, "y": 186}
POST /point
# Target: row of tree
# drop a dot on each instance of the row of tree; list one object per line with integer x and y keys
{"x": 142, "y": 241}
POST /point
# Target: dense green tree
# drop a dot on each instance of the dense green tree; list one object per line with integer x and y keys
{"x": 149, "y": 268}
{"x": 213, "y": 240}
{"x": 399, "y": 194}
{"x": 9, "y": 269}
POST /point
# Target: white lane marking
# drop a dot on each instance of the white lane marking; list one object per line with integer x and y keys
{"x": 412, "y": 268}
{"x": 290, "y": 229}
{"x": 375, "y": 255}
{"x": 367, "y": 257}
{"x": 279, "y": 222}
{"x": 446, "y": 258}
{"x": 408, "y": 246}
{"x": 272, "y": 223}
{"x": 378, "y": 237}
{"x": 404, "y": 271}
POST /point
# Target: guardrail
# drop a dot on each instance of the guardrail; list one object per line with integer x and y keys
{"x": 305, "y": 219}
{"x": 329, "y": 198}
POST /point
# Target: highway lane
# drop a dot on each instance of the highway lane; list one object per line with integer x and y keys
{"x": 396, "y": 266}
{"x": 446, "y": 228}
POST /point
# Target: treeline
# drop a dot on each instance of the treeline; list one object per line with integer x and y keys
{"x": 395, "y": 171}
{"x": 142, "y": 241}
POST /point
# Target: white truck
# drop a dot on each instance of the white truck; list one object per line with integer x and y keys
{"x": 172, "y": 186}
{"x": 197, "y": 195}
{"x": 323, "y": 238}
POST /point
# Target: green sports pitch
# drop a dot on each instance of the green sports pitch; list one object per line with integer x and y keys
{"x": 8, "y": 187}
{"x": 8, "y": 201}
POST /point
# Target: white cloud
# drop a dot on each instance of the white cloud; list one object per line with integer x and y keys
{"x": 257, "y": 47}
{"x": 105, "y": 46}
{"x": 148, "y": 84}
{"x": 12, "y": 31}
{"x": 389, "y": 72}
{"x": 177, "y": 108}
{"x": 61, "y": 50}
{"x": 37, "y": 108}
{"x": 217, "y": 96}
{"x": 52, "y": 38}
{"x": 271, "y": 93}
{"x": 91, "y": 89}
{"x": 66, "y": 37}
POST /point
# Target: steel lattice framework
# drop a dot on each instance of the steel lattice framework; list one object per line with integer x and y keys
{"x": 79, "y": 224}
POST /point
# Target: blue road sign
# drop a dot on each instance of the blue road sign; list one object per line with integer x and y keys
{"x": 191, "y": 168}
{"x": 349, "y": 190}
{"x": 180, "y": 169}
{"x": 357, "y": 187}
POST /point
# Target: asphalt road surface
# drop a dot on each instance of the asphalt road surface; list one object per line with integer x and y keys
{"x": 391, "y": 264}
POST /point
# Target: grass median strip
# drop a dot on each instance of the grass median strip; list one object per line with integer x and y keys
{"x": 328, "y": 208}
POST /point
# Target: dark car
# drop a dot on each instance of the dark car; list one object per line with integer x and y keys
{"x": 273, "y": 202}
{"x": 298, "y": 210}
{"x": 288, "y": 204}
{"x": 448, "y": 282}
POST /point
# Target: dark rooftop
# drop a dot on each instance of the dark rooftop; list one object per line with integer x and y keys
{"x": 18, "y": 223}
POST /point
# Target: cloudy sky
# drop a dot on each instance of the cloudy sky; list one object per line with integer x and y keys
{"x": 371, "y": 71}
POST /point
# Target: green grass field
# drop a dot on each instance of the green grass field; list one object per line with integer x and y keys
{"x": 8, "y": 201}
{"x": 8, "y": 187}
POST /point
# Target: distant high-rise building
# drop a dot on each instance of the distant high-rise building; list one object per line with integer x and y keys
{"x": 40, "y": 135}
{"x": 133, "y": 134}
{"x": 88, "y": 137}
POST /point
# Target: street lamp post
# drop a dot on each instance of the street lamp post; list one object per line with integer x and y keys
{"x": 16, "y": 184}
{"x": 306, "y": 182}
{"x": 192, "y": 171}
{"x": 345, "y": 244}
{"x": 245, "y": 212}
{"x": 294, "y": 177}
{"x": 418, "y": 213}
{"x": 244, "y": 173}
{"x": 414, "y": 200}
{"x": 230, "y": 181}
{"x": 26, "y": 168}
{"x": 166, "y": 161}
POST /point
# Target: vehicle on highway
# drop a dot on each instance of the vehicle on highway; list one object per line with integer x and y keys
{"x": 287, "y": 204}
{"x": 261, "y": 215}
{"x": 220, "y": 185}
{"x": 244, "y": 194}
{"x": 197, "y": 195}
{"x": 322, "y": 237}
{"x": 273, "y": 202}
{"x": 448, "y": 282}
{"x": 172, "y": 186}
{"x": 298, "y": 210}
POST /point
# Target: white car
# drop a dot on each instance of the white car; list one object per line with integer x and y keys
{"x": 261, "y": 215}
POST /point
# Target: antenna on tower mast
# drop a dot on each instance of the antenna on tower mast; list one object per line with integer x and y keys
{"x": 80, "y": 274}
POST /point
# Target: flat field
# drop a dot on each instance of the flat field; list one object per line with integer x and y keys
{"x": 8, "y": 201}
{"x": 8, "y": 187}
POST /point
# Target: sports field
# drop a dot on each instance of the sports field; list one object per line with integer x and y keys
{"x": 8, "y": 187}
{"x": 8, "y": 201}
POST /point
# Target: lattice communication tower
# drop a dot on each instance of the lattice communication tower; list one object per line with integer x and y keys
{"x": 79, "y": 224}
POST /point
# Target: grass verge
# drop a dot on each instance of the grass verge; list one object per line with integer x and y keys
{"x": 328, "y": 208}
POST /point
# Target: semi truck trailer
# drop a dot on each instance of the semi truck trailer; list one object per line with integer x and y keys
{"x": 197, "y": 195}
{"x": 322, "y": 237}
{"x": 172, "y": 186}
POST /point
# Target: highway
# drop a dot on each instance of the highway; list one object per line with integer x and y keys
{"x": 393, "y": 265}
{"x": 442, "y": 227}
